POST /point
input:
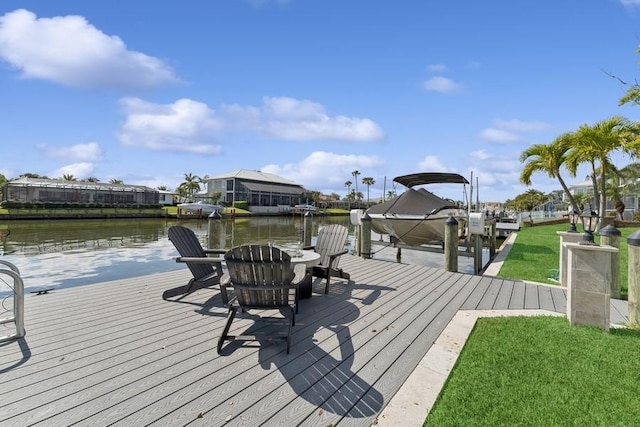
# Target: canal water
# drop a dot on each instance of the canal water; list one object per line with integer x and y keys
{"x": 55, "y": 254}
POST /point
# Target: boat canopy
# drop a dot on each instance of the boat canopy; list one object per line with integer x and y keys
{"x": 414, "y": 179}
{"x": 412, "y": 202}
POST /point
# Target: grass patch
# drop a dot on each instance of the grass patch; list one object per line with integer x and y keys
{"x": 540, "y": 371}
{"x": 536, "y": 251}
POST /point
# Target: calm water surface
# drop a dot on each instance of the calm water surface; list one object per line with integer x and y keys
{"x": 65, "y": 253}
{"x": 54, "y": 254}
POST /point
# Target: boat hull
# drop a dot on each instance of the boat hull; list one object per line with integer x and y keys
{"x": 417, "y": 230}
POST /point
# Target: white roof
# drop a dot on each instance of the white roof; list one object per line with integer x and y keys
{"x": 587, "y": 183}
{"x": 83, "y": 185}
{"x": 252, "y": 175}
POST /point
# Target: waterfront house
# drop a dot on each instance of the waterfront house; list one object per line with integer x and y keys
{"x": 40, "y": 191}
{"x": 631, "y": 200}
{"x": 263, "y": 192}
{"x": 167, "y": 198}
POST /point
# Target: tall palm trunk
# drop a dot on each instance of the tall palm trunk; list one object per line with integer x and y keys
{"x": 603, "y": 199}
{"x": 572, "y": 199}
{"x": 596, "y": 190}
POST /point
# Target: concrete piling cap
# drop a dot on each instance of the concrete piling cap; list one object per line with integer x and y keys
{"x": 609, "y": 230}
{"x": 451, "y": 220}
{"x": 634, "y": 239}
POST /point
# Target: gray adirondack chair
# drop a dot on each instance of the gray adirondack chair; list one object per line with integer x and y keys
{"x": 330, "y": 245}
{"x": 207, "y": 271}
{"x": 262, "y": 278}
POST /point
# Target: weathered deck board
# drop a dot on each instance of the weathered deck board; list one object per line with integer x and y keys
{"x": 116, "y": 353}
{"x": 545, "y": 298}
{"x": 559, "y": 296}
{"x": 517, "y": 297}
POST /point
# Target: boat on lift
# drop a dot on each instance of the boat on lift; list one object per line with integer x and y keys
{"x": 418, "y": 216}
{"x": 200, "y": 208}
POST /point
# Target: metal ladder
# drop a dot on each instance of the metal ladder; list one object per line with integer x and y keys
{"x": 18, "y": 301}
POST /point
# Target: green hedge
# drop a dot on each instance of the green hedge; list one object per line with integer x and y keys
{"x": 241, "y": 204}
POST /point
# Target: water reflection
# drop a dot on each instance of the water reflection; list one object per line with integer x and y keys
{"x": 53, "y": 254}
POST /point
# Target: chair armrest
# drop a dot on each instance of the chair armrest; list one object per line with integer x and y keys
{"x": 225, "y": 280}
{"x": 308, "y": 248}
{"x": 215, "y": 251}
{"x": 299, "y": 271}
{"x": 200, "y": 260}
{"x": 339, "y": 253}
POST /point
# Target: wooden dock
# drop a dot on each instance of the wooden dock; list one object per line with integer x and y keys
{"x": 116, "y": 354}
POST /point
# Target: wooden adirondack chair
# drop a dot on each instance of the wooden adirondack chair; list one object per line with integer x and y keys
{"x": 262, "y": 278}
{"x": 206, "y": 270}
{"x": 330, "y": 245}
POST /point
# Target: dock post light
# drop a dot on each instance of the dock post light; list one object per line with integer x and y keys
{"x": 573, "y": 220}
{"x": 589, "y": 223}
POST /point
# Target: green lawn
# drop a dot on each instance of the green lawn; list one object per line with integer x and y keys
{"x": 536, "y": 251}
{"x": 540, "y": 371}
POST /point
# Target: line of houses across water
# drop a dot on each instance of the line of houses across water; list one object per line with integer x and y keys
{"x": 258, "y": 192}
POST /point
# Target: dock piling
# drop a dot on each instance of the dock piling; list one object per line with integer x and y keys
{"x": 451, "y": 245}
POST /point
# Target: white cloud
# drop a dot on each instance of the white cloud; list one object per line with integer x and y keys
{"x": 506, "y": 131}
{"x": 89, "y": 152}
{"x": 301, "y": 120}
{"x": 437, "y": 68}
{"x": 521, "y": 126}
{"x": 630, "y": 3}
{"x": 432, "y": 164}
{"x": 480, "y": 155}
{"x": 184, "y": 126}
{"x": 191, "y": 126}
{"x": 70, "y": 51}
{"x": 78, "y": 170}
{"x": 442, "y": 85}
{"x": 499, "y": 136}
{"x": 312, "y": 171}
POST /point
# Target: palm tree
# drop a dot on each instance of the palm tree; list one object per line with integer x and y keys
{"x": 69, "y": 177}
{"x": 355, "y": 174}
{"x": 162, "y": 188}
{"x": 368, "y": 181}
{"x": 3, "y": 181}
{"x": 348, "y": 184}
{"x": 630, "y": 178}
{"x": 115, "y": 181}
{"x": 315, "y": 196}
{"x": 595, "y": 144}
{"x": 548, "y": 158}
{"x": 391, "y": 194}
{"x": 92, "y": 179}
{"x": 191, "y": 184}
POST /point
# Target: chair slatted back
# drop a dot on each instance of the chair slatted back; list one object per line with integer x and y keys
{"x": 187, "y": 244}
{"x": 259, "y": 275}
{"x": 331, "y": 240}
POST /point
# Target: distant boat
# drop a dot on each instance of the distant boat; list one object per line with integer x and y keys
{"x": 418, "y": 217}
{"x": 304, "y": 208}
{"x": 200, "y": 208}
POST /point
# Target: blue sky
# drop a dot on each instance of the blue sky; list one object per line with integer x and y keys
{"x": 146, "y": 91}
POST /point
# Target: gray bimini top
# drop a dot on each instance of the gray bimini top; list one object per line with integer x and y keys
{"x": 414, "y": 179}
{"x": 421, "y": 201}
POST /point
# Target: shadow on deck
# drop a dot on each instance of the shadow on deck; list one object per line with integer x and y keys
{"x": 116, "y": 353}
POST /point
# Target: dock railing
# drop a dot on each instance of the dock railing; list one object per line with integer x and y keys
{"x": 12, "y": 271}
